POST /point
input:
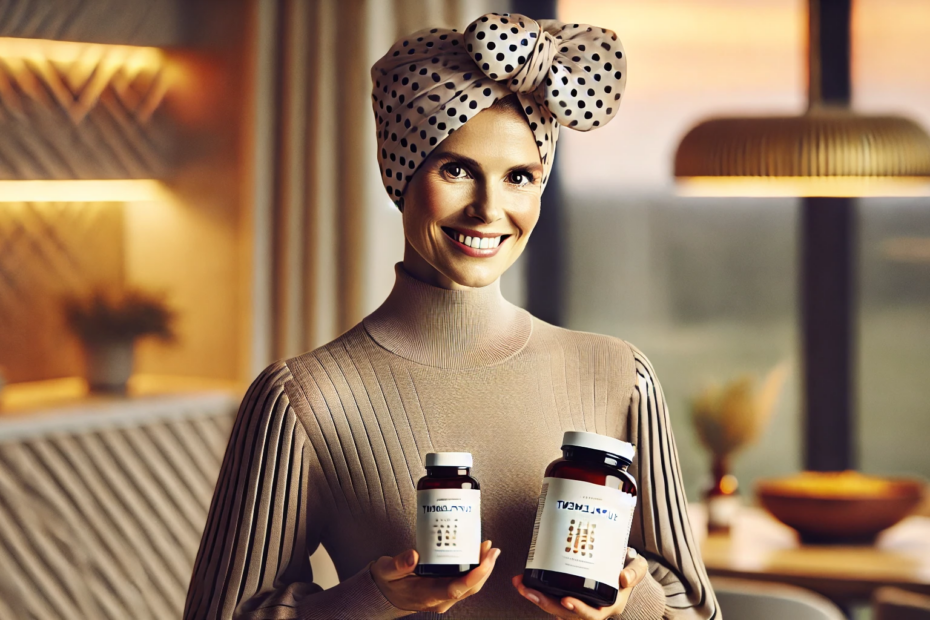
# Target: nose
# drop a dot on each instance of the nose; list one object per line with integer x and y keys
{"x": 488, "y": 205}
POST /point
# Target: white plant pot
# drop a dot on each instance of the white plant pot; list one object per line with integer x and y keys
{"x": 109, "y": 365}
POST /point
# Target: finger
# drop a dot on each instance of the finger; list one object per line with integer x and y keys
{"x": 472, "y": 581}
{"x": 442, "y": 593}
{"x": 476, "y": 576}
{"x": 634, "y": 572}
{"x": 390, "y": 568}
{"x": 631, "y": 554}
{"x": 585, "y": 611}
{"x": 485, "y": 550}
{"x": 550, "y": 605}
{"x": 446, "y": 590}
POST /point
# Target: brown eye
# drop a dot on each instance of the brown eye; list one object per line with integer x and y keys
{"x": 455, "y": 171}
{"x": 520, "y": 178}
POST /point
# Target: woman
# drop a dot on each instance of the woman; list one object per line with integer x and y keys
{"x": 328, "y": 445}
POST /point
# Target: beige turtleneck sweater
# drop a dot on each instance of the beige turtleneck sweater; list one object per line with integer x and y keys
{"x": 328, "y": 446}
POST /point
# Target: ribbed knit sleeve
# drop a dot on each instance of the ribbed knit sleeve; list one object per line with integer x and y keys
{"x": 266, "y": 520}
{"x": 677, "y": 586}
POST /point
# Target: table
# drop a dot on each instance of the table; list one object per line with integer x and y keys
{"x": 761, "y": 548}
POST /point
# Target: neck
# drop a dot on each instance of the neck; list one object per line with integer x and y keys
{"x": 448, "y": 328}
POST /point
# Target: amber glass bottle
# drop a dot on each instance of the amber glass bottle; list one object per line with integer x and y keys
{"x": 583, "y": 520}
{"x": 448, "y": 516}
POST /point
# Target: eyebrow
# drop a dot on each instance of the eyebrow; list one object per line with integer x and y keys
{"x": 535, "y": 166}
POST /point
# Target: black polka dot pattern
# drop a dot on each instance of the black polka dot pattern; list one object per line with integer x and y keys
{"x": 432, "y": 82}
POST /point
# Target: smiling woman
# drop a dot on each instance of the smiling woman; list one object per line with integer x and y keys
{"x": 471, "y": 206}
{"x": 328, "y": 444}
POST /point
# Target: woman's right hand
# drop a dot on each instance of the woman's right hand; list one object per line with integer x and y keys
{"x": 405, "y": 590}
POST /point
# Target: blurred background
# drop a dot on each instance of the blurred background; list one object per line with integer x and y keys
{"x": 189, "y": 191}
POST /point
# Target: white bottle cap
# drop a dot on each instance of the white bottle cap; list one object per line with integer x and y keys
{"x": 448, "y": 459}
{"x": 599, "y": 442}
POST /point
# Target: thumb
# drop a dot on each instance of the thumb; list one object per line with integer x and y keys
{"x": 390, "y": 568}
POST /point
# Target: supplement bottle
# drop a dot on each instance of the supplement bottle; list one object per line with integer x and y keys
{"x": 583, "y": 520}
{"x": 448, "y": 516}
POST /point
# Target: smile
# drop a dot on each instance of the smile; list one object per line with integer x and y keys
{"x": 475, "y": 244}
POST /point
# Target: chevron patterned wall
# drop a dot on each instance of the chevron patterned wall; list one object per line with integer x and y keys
{"x": 130, "y": 22}
{"x": 81, "y": 111}
{"x": 86, "y": 106}
{"x": 104, "y": 521}
{"x": 48, "y": 250}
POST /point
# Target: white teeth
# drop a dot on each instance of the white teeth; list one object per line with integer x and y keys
{"x": 479, "y": 243}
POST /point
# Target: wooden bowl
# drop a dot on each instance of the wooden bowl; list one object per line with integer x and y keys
{"x": 839, "y": 507}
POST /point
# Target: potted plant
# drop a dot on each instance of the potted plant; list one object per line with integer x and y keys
{"x": 108, "y": 322}
{"x": 727, "y": 418}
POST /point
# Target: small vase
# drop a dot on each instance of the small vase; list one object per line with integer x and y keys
{"x": 108, "y": 365}
{"x": 721, "y": 497}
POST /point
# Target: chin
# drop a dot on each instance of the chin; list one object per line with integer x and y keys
{"x": 473, "y": 276}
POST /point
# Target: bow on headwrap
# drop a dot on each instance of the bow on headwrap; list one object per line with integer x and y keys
{"x": 431, "y": 83}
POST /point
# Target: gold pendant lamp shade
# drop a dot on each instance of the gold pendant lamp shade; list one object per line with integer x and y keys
{"x": 829, "y": 151}
{"x": 825, "y": 152}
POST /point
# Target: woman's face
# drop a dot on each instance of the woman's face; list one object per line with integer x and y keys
{"x": 479, "y": 187}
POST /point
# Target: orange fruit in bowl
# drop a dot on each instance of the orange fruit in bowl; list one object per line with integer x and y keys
{"x": 839, "y": 507}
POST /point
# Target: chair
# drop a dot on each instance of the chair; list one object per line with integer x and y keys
{"x": 897, "y": 604}
{"x": 742, "y": 599}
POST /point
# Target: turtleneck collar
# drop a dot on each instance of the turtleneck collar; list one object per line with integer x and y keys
{"x": 445, "y": 328}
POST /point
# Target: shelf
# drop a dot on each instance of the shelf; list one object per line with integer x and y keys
{"x": 32, "y": 398}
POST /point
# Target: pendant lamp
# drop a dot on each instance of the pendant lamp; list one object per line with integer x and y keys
{"x": 828, "y": 156}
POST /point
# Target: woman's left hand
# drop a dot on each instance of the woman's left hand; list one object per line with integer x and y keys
{"x": 570, "y": 608}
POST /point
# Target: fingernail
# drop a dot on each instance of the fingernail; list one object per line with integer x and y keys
{"x": 569, "y": 606}
{"x": 497, "y": 553}
{"x": 532, "y": 597}
{"x": 408, "y": 559}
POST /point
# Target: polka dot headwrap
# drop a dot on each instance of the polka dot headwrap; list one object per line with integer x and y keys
{"x": 432, "y": 82}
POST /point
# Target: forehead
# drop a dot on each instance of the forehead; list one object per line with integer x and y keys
{"x": 494, "y": 137}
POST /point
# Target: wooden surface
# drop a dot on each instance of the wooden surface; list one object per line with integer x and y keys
{"x": 759, "y": 547}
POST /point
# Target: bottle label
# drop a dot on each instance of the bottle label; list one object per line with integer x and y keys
{"x": 581, "y": 529}
{"x": 449, "y": 526}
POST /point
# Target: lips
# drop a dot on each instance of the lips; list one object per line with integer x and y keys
{"x": 475, "y": 243}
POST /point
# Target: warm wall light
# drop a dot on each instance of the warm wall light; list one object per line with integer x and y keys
{"x": 73, "y": 76}
{"x": 94, "y": 54}
{"x": 107, "y": 190}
